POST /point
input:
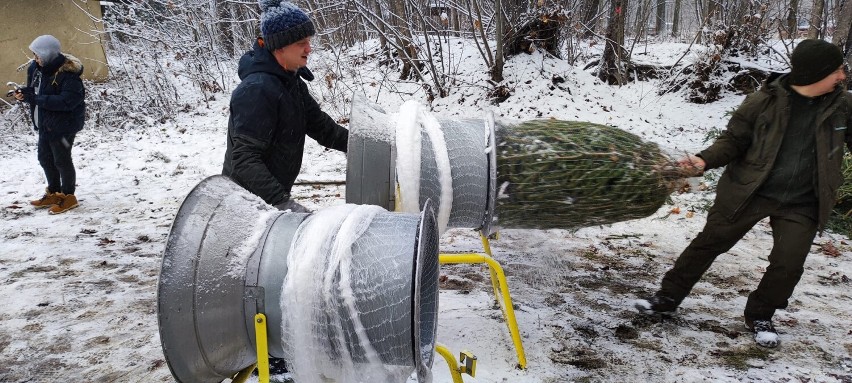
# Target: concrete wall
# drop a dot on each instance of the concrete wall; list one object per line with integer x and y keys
{"x": 67, "y": 20}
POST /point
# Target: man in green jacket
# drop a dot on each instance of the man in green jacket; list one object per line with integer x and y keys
{"x": 783, "y": 151}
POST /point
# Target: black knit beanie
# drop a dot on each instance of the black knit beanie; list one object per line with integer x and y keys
{"x": 813, "y": 60}
{"x": 283, "y": 23}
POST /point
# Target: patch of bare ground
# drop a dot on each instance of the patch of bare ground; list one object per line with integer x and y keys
{"x": 741, "y": 358}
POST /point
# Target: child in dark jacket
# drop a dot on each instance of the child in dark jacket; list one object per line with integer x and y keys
{"x": 56, "y": 96}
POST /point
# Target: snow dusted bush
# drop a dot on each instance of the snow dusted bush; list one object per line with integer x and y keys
{"x": 156, "y": 47}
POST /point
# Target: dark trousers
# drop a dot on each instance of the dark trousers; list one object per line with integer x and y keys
{"x": 793, "y": 232}
{"x": 54, "y": 156}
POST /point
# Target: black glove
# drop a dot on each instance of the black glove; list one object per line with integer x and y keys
{"x": 29, "y": 94}
{"x": 293, "y": 206}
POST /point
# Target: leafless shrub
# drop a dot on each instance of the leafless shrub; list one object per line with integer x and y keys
{"x": 155, "y": 44}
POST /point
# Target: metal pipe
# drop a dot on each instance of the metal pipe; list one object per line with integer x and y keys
{"x": 371, "y": 174}
{"x": 226, "y": 260}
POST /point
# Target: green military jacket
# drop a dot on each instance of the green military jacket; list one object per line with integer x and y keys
{"x": 750, "y": 144}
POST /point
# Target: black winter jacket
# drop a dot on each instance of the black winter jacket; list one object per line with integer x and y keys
{"x": 60, "y": 96}
{"x": 271, "y": 112}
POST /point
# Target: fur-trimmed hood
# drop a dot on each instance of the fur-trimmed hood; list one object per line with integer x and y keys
{"x": 71, "y": 65}
{"x": 63, "y": 64}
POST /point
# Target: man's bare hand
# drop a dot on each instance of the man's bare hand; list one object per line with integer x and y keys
{"x": 692, "y": 165}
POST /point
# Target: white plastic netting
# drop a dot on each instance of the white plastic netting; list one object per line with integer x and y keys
{"x": 330, "y": 298}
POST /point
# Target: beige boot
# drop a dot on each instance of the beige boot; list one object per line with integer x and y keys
{"x": 67, "y": 202}
{"x": 47, "y": 200}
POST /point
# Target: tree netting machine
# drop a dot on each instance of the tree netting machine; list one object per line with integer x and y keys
{"x": 352, "y": 290}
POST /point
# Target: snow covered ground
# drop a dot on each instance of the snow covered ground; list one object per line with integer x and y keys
{"x": 78, "y": 290}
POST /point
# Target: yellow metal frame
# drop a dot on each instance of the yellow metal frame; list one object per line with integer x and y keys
{"x": 498, "y": 283}
{"x": 500, "y": 287}
{"x": 262, "y": 347}
{"x": 467, "y": 360}
{"x": 243, "y": 375}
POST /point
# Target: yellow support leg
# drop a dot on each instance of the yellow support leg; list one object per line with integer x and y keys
{"x": 486, "y": 245}
{"x": 498, "y": 284}
{"x": 262, "y": 348}
{"x": 468, "y": 360}
{"x": 243, "y": 375}
{"x": 500, "y": 287}
{"x": 262, "y": 364}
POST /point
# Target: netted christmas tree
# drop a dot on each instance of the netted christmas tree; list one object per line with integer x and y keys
{"x": 571, "y": 174}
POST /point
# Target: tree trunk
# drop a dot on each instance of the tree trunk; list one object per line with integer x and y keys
{"x": 455, "y": 21}
{"x": 815, "y": 28}
{"x": 661, "y": 18}
{"x": 318, "y": 18}
{"x": 792, "y": 19}
{"x": 383, "y": 41}
{"x": 712, "y": 7}
{"x": 638, "y": 28}
{"x": 843, "y": 33}
{"x": 499, "y": 26}
{"x": 590, "y": 19}
{"x": 698, "y": 7}
{"x": 676, "y": 18}
{"x": 246, "y": 30}
{"x": 407, "y": 53}
{"x": 643, "y": 12}
{"x": 612, "y": 65}
{"x": 709, "y": 13}
{"x": 479, "y": 26}
{"x": 223, "y": 25}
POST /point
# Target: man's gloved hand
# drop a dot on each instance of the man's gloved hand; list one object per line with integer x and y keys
{"x": 293, "y": 206}
{"x": 27, "y": 94}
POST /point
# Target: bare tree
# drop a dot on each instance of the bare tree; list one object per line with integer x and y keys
{"x": 612, "y": 69}
{"x": 383, "y": 41}
{"x": 479, "y": 34}
{"x": 406, "y": 49}
{"x": 414, "y": 36}
{"x": 676, "y": 18}
{"x": 706, "y": 11}
{"x": 223, "y": 25}
{"x": 843, "y": 33}
{"x": 438, "y": 77}
{"x": 497, "y": 69}
{"x": 159, "y": 40}
{"x": 590, "y": 17}
{"x": 640, "y": 23}
{"x": 793, "y": 19}
{"x": 815, "y": 28}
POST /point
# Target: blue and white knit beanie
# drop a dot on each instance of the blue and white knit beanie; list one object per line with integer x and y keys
{"x": 46, "y": 47}
{"x": 283, "y": 23}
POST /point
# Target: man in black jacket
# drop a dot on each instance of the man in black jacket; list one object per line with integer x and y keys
{"x": 56, "y": 96}
{"x": 783, "y": 155}
{"x": 272, "y": 110}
